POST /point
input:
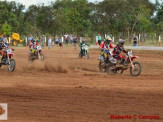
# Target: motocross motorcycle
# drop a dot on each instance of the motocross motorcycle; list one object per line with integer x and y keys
{"x": 84, "y": 51}
{"x": 135, "y": 67}
{"x": 7, "y": 59}
{"x": 36, "y": 54}
{"x": 104, "y": 63}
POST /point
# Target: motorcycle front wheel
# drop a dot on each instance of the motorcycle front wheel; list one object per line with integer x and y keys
{"x": 136, "y": 70}
{"x": 101, "y": 66}
{"x": 31, "y": 58}
{"x": 80, "y": 55}
{"x": 111, "y": 69}
{"x": 12, "y": 65}
{"x": 87, "y": 56}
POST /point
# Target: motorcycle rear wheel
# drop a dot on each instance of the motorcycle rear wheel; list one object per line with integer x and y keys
{"x": 41, "y": 58}
{"x": 111, "y": 69}
{"x": 31, "y": 59}
{"x": 101, "y": 66}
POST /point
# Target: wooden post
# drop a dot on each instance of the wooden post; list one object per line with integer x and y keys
{"x": 80, "y": 39}
{"x": 62, "y": 42}
{"x": 105, "y": 35}
{"x": 45, "y": 41}
{"x": 113, "y": 39}
{"x": 26, "y": 42}
{"x": 9, "y": 41}
{"x": 159, "y": 41}
{"x": 139, "y": 41}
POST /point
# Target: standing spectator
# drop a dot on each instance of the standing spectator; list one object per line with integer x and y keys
{"x": 135, "y": 42}
{"x": 60, "y": 42}
{"x": 6, "y": 41}
{"x": 66, "y": 38}
{"x": 56, "y": 40}
{"x": 49, "y": 42}
{"x": 30, "y": 38}
{"x": 99, "y": 39}
{"x": 71, "y": 38}
{"x": 75, "y": 41}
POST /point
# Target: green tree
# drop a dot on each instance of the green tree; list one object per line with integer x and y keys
{"x": 6, "y": 29}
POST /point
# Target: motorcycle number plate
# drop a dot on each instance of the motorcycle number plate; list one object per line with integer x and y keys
{"x": 39, "y": 48}
{"x": 9, "y": 51}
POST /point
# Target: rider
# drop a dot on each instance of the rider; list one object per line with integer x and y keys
{"x": 33, "y": 45}
{"x": 105, "y": 47}
{"x": 83, "y": 43}
{"x": 2, "y": 46}
{"x": 118, "y": 49}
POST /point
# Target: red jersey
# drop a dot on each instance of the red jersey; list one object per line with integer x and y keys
{"x": 117, "y": 50}
{"x": 33, "y": 45}
{"x": 103, "y": 46}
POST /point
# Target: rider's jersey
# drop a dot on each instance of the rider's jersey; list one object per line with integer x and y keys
{"x": 104, "y": 46}
{"x": 117, "y": 50}
{"x": 83, "y": 43}
{"x": 33, "y": 45}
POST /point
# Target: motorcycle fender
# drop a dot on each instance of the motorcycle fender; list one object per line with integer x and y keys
{"x": 132, "y": 58}
{"x": 40, "y": 51}
{"x": 10, "y": 55}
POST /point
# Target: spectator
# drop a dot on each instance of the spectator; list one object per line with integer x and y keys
{"x": 30, "y": 38}
{"x": 56, "y": 40}
{"x": 6, "y": 41}
{"x": 60, "y": 42}
{"x": 99, "y": 39}
{"x": 49, "y": 42}
{"x": 75, "y": 41}
{"x": 66, "y": 38}
{"x": 71, "y": 38}
{"x": 135, "y": 42}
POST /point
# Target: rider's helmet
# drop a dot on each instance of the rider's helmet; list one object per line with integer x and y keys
{"x": 121, "y": 42}
{"x": 108, "y": 40}
{"x": 1, "y": 39}
{"x": 83, "y": 40}
{"x": 33, "y": 40}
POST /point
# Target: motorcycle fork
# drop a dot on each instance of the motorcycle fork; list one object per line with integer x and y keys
{"x": 8, "y": 60}
{"x": 133, "y": 67}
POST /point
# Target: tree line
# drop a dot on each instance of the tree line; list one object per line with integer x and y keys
{"x": 115, "y": 17}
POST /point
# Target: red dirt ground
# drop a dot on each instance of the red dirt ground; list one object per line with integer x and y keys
{"x": 67, "y": 89}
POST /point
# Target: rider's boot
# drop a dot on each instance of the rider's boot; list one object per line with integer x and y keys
{"x": 122, "y": 63}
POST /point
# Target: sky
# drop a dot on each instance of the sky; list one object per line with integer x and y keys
{"x": 46, "y": 2}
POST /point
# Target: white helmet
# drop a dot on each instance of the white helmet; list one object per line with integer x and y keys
{"x": 121, "y": 42}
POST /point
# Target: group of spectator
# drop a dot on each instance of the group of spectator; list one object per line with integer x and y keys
{"x": 57, "y": 40}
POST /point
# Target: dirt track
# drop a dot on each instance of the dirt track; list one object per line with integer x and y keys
{"x": 66, "y": 88}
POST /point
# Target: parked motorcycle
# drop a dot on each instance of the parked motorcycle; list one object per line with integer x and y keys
{"x": 36, "y": 54}
{"x": 135, "y": 67}
{"x": 7, "y": 59}
{"x": 84, "y": 51}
